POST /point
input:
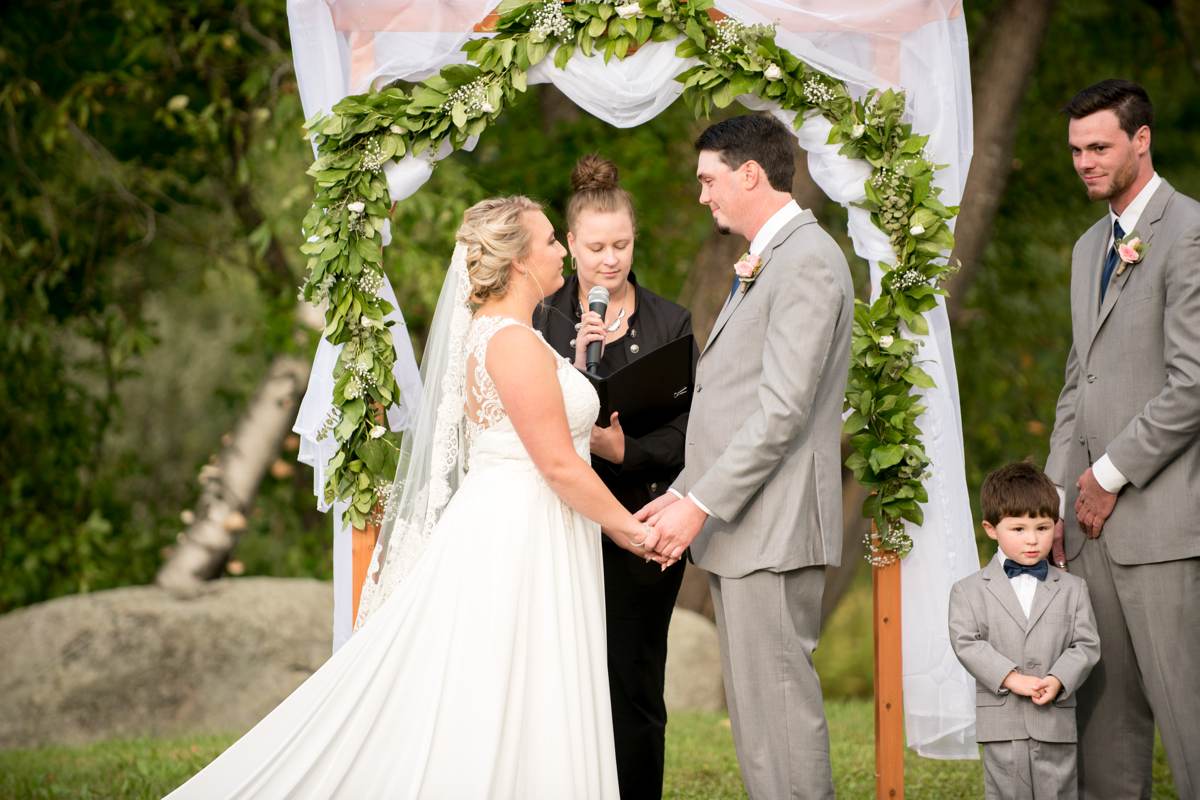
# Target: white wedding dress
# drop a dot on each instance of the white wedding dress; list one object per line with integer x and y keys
{"x": 483, "y": 674}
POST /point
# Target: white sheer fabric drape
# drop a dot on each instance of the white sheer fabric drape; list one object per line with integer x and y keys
{"x": 343, "y": 47}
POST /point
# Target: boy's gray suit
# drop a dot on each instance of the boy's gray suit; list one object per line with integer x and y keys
{"x": 1132, "y": 391}
{"x": 991, "y": 636}
{"x": 763, "y": 456}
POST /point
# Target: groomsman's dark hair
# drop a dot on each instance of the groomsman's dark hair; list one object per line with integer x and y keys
{"x": 1128, "y": 100}
{"x": 1018, "y": 490}
{"x": 754, "y": 137}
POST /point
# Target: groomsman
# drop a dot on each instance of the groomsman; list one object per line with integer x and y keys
{"x": 1126, "y": 449}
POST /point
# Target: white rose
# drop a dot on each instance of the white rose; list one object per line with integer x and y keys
{"x": 357, "y": 207}
{"x": 629, "y": 10}
{"x": 857, "y": 131}
{"x": 885, "y": 341}
{"x": 917, "y": 230}
{"x": 487, "y": 107}
{"x": 772, "y": 72}
{"x": 378, "y": 431}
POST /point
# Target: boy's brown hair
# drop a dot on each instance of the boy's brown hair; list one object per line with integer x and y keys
{"x": 1018, "y": 490}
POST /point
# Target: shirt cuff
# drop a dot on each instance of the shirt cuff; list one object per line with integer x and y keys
{"x": 1062, "y": 500}
{"x": 675, "y": 492}
{"x": 699, "y": 505}
{"x": 1111, "y": 479}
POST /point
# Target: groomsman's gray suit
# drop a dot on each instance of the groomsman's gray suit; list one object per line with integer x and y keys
{"x": 991, "y": 636}
{"x": 763, "y": 456}
{"x": 1133, "y": 391}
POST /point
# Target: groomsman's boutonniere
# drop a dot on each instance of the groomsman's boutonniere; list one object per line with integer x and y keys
{"x": 747, "y": 268}
{"x": 1130, "y": 251}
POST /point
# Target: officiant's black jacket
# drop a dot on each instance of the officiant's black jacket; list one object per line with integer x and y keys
{"x": 653, "y": 460}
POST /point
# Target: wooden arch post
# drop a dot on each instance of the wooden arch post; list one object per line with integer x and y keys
{"x": 889, "y": 681}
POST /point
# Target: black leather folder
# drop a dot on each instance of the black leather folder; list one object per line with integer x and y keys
{"x": 649, "y": 391}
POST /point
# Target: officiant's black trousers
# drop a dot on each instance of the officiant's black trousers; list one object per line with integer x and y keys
{"x": 638, "y": 599}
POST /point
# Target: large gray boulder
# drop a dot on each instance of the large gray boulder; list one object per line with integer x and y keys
{"x": 138, "y": 661}
{"x": 693, "y": 664}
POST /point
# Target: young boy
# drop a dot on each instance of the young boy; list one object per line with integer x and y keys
{"x": 1025, "y": 631}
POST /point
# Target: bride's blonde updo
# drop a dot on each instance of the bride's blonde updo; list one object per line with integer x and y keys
{"x": 494, "y": 236}
{"x": 594, "y": 187}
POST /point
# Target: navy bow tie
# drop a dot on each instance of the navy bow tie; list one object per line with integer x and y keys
{"x": 1039, "y": 570}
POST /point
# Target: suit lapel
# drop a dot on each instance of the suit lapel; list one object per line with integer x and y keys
{"x": 1145, "y": 228}
{"x": 794, "y": 224}
{"x": 1042, "y": 596}
{"x": 998, "y": 584}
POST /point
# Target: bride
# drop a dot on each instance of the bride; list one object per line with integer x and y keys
{"x": 478, "y": 669}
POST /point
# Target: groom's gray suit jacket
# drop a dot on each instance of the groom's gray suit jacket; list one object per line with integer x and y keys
{"x": 1132, "y": 385}
{"x": 763, "y": 438}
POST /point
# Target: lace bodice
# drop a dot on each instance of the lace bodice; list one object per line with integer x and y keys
{"x": 488, "y": 427}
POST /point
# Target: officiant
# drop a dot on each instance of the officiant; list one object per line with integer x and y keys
{"x": 639, "y": 596}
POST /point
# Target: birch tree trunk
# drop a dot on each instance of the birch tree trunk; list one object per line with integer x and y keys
{"x": 231, "y": 483}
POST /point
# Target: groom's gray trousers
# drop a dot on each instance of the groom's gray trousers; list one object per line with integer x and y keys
{"x": 768, "y": 624}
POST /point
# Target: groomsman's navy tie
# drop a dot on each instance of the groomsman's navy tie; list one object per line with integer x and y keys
{"x": 736, "y": 282}
{"x": 1039, "y": 570}
{"x": 1110, "y": 262}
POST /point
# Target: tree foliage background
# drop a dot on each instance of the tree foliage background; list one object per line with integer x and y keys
{"x": 153, "y": 185}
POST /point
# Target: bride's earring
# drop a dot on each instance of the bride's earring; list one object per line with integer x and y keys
{"x": 538, "y": 284}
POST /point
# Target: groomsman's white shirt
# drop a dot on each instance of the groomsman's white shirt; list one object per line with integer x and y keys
{"x": 759, "y": 243}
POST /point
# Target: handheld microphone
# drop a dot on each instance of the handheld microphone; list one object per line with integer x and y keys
{"x": 598, "y": 302}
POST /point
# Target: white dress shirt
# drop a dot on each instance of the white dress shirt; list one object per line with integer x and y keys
{"x": 766, "y": 233}
{"x": 1025, "y": 585}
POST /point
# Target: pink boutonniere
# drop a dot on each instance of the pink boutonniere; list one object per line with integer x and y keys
{"x": 1130, "y": 250}
{"x": 747, "y": 269}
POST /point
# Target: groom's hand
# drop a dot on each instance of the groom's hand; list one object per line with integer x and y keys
{"x": 677, "y": 525}
{"x": 1094, "y": 505}
{"x": 654, "y": 506}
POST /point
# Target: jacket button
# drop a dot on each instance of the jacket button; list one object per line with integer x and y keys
{"x": 1083, "y": 440}
{"x": 653, "y": 488}
{"x": 1091, "y": 378}
{"x": 699, "y": 388}
{"x": 633, "y": 348}
{"x": 572, "y": 343}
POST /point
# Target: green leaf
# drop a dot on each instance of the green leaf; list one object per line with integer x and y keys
{"x": 918, "y": 377}
{"x": 886, "y": 456}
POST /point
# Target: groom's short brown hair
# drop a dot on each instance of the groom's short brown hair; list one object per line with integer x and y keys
{"x": 1018, "y": 490}
{"x": 1128, "y": 100}
{"x": 758, "y": 138}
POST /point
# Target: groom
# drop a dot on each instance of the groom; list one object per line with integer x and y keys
{"x": 759, "y": 499}
{"x": 1126, "y": 448}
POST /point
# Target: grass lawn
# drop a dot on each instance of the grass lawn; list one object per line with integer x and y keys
{"x": 700, "y": 764}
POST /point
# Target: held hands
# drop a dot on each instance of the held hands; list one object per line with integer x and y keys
{"x": 677, "y": 525}
{"x": 609, "y": 443}
{"x": 1040, "y": 690}
{"x": 641, "y": 543}
{"x": 591, "y": 329}
{"x": 1093, "y": 506}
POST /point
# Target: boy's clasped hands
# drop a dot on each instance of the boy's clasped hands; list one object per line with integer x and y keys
{"x": 1040, "y": 690}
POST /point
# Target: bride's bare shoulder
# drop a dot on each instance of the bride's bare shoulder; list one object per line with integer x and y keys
{"x": 518, "y": 349}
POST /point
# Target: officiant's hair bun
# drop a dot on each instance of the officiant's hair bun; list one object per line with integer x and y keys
{"x": 595, "y": 187}
{"x": 494, "y": 235}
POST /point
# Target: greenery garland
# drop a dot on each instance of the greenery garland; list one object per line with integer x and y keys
{"x": 366, "y": 131}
